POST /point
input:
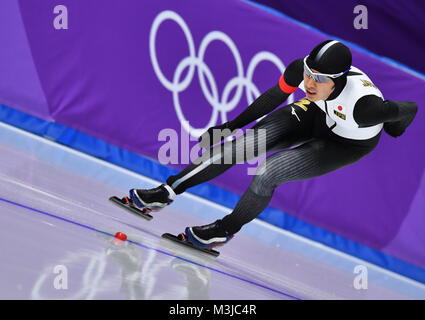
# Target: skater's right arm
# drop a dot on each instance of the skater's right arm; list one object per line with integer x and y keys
{"x": 265, "y": 103}
{"x": 272, "y": 98}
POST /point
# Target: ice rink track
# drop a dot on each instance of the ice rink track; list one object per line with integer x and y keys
{"x": 56, "y": 220}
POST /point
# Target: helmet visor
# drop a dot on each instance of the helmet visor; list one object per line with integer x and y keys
{"x": 321, "y": 77}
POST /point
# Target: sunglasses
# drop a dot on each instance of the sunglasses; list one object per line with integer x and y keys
{"x": 321, "y": 77}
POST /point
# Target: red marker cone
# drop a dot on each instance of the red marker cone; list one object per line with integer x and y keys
{"x": 121, "y": 236}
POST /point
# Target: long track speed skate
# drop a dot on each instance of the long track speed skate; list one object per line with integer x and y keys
{"x": 182, "y": 239}
{"x": 128, "y": 204}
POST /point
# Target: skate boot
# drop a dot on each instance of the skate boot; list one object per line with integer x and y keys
{"x": 153, "y": 199}
{"x": 208, "y": 236}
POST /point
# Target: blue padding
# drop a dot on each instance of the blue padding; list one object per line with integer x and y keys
{"x": 154, "y": 170}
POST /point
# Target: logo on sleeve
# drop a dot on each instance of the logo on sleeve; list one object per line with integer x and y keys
{"x": 367, "y": 83}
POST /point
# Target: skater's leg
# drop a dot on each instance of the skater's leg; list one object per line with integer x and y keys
{"x": 219, "y": 159}
{"x": 279, "y": 130}
{"x": 310, "y": 160}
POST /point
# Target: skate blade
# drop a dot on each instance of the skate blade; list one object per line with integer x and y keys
{"x": 122, "y": 203}
{"x": 186, "y": 242}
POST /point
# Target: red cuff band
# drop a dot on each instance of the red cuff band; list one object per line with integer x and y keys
{"x": 285, "y": 87}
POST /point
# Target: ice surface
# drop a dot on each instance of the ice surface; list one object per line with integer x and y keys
{"x": 57, "y": 223}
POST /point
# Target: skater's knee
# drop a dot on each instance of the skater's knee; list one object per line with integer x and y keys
{"x": 262, "y": 184}
{"x": 261, "y": 170}
{"x": 261, "y": 189}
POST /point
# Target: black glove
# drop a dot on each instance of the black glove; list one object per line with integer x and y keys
{"x": 216, "y": 134}
{"x": 407, "y": 112}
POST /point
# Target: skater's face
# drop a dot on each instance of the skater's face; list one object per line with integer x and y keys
{"x": 317, "y": 91}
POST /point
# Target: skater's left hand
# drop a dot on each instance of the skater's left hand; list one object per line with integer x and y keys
{"x": 407, "y": 112}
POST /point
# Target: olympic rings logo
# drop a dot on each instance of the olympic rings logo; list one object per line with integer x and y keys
{"x": 220, "y": 103}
